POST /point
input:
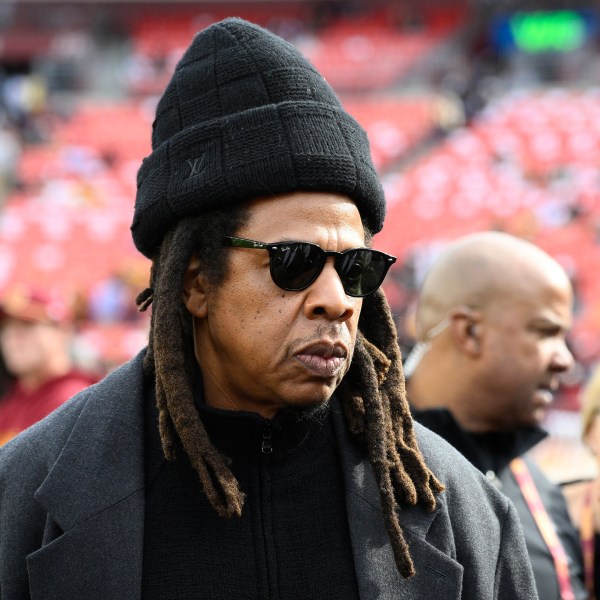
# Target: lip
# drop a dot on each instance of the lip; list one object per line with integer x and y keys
{"x": 545, "y": 396}
{"x": 324, "y": 358}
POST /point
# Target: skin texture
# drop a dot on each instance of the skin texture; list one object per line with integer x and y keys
{"x": 259, "y": 347}
{"x": 508, "y": 308}
{"x": 33, "y": 352}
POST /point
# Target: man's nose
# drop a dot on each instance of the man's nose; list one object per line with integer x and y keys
{"x": 326, "y": 296}
{"x": 562, "y": 359}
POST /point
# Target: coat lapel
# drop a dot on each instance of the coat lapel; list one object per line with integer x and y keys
{"x": 438, "y": 574}
{"x": 95, "y": 494}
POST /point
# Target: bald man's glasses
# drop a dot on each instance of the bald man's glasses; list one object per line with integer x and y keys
{"x": 295, "y": 266}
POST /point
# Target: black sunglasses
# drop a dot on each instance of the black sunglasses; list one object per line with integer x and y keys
{"x": 296, "y": 265}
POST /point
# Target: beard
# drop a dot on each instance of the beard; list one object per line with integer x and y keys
{"x": 313, "y": 412}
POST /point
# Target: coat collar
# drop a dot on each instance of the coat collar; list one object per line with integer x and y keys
{"x": 437, "y": 574}
{"x": 95, "y": 494}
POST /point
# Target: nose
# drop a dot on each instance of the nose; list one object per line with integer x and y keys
{"x": 326, "y": 297}
{"x": 562, "y": 359}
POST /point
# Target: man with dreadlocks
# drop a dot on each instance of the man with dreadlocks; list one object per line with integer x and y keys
{"x": 262, "y": 446}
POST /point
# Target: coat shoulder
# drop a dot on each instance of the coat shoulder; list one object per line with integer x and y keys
{"x": 456, "y": 473}
{"x": 487, "y": 538}
{"x": 37, "y": 448}
{"x": 44, "y": 474}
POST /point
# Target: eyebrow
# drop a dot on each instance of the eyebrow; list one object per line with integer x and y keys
{"x": 550, "y": 322}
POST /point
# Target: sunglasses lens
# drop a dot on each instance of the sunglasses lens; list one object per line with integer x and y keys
{"x": 362, "y": 271}
{"x": 295, "y": 266}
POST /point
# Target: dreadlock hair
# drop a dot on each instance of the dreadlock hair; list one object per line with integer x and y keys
{"x": 372, "y": 393}
{"x": 373, "y": 398}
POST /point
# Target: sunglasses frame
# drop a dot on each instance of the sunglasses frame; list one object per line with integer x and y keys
{"x": 237, "y": 242}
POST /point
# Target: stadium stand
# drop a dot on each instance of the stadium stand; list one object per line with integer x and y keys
{"x": 527, "y": 163}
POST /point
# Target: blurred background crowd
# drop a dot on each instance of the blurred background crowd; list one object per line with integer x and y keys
{"x": 481, "y": 115}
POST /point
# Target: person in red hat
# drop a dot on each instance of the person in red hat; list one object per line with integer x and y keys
{"x": 34, "y": 343}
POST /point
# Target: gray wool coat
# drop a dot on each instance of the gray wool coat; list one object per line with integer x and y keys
{"x": 72, "y": 512}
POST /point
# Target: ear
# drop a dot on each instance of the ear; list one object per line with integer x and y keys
{"x": 195, "y": 289}
{"x": 466, "y": 329}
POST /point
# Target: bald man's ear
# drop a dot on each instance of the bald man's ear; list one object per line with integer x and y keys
{"x": 465, "y": 329}
{"x": 195, "y": 289}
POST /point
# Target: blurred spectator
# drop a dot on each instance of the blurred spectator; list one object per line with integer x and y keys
{"x": 34, "y": 341}
{"x": 113, "y": 299}
{"x": 583, "y": 497}
{"x": 24, "y": 98}
{"x": 10, "y": 153}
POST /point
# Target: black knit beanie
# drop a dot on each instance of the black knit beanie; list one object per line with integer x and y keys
{"x": 244, "y": 116}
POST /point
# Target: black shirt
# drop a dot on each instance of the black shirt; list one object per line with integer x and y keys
{"x": 292, "y": 540}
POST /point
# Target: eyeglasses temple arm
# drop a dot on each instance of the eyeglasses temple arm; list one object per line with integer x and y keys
{"x": 242, "y": 243}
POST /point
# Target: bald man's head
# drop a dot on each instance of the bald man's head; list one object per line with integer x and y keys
{"x": 493, "y": 315}
{"x": 482, "y": 269}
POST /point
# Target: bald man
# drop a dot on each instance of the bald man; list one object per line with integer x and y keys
{"x": 492, "y": 318}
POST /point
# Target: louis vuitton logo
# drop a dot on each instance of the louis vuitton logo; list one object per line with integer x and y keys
{"x": 196, "y": 165}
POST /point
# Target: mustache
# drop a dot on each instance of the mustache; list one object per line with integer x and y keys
{"x": 332, "y": 331}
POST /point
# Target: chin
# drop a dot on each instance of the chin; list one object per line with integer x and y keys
{"x": 310, "y": 393}
{"x": 538, "y": 419}
{"x": 307, "y": 410}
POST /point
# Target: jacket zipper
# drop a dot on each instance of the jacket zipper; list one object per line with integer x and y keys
{"x": 266, "y": 447}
